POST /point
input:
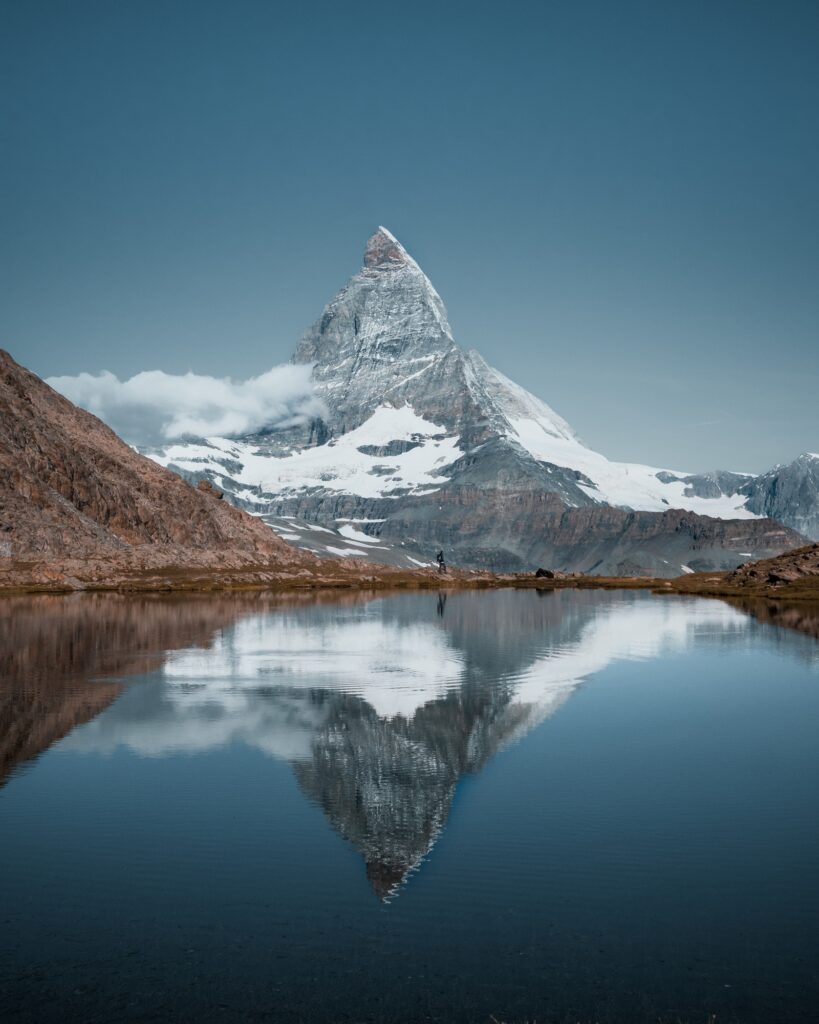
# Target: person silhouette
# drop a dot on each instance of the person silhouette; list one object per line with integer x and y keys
{"x": 441, "y": 562}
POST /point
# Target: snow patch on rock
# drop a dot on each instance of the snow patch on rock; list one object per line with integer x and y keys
{"x": 337, "y": 466}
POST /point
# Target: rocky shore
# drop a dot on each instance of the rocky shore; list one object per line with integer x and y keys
{"x": 794, "y": 576}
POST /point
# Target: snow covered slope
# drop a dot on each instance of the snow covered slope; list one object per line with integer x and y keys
{"x": 549, "y": 439}
{"x": 352, "y": 463}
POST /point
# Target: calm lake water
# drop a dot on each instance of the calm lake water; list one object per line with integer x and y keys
{"x": 507, "y": 806}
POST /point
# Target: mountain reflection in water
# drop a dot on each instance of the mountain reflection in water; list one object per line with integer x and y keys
{"x": 381, "y": 705}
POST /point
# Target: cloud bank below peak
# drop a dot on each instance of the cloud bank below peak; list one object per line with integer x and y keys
{"x": 153, "y": 407}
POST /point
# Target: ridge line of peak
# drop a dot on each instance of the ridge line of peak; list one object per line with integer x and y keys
{"x": 386, "y": 231}
{"x": 384, "y": 251}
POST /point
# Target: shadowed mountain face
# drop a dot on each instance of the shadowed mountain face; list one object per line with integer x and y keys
{"x": 380, "y": 705}
{"x": 423, "y": 445}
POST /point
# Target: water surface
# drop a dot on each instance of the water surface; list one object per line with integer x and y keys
{"x": 568, "y": 806}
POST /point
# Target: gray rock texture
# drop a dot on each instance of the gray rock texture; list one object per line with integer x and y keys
{"x": 789, "y": 494}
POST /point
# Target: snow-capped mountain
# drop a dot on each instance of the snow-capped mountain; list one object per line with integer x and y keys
{"x": 423, "y": 444}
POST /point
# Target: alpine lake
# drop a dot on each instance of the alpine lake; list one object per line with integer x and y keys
{"x": 502, "y": 806}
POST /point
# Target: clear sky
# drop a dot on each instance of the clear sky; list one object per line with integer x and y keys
{"x": 618, "y": 201}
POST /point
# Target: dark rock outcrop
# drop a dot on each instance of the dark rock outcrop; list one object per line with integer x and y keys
{"x": 516, "y": 529}
{"x": 800, "y": 564}
{"x": 206, "y": 487}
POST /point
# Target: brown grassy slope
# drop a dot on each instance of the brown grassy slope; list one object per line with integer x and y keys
{"x": 75, "y": 499}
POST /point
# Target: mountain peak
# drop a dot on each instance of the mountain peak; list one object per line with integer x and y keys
{"x": 385, "y": 252}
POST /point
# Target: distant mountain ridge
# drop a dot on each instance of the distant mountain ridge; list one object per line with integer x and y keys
{"x": 788, "y": 493}
{"x": 424, "y": 445}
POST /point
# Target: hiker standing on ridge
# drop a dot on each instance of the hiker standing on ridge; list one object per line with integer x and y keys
{"x": 441, "y": 562}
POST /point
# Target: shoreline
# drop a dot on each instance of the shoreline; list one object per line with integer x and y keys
{"x": 173, "y": 580}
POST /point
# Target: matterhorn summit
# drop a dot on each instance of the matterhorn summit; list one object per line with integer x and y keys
{"x": 423, "y": 445}
{"x": 384, "y": 331}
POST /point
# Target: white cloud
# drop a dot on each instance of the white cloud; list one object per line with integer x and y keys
{"x": 154, "y": 406}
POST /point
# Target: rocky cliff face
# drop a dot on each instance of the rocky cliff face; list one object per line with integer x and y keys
{"x": 788, "y": 493}
{"x": 424, "y": 445}
{"x": 519, "y": 528}
{"x": 385, "y": 340}
{"x": 76, "y": 501}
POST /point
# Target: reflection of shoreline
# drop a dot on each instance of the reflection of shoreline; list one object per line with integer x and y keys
{"x": 55, "y": 649}
{"x": 802, "y": 616}
{"x": 68, "y": 638}
{"x": 31, "y": 722}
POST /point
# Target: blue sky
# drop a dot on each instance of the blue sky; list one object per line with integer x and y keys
{"x": 618, "y": 202}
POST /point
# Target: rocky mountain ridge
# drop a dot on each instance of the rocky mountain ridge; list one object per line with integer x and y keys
{"x": 424, "y": 445}
{"x": 78, "y": 504}
{"x": 788, "y": 493}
